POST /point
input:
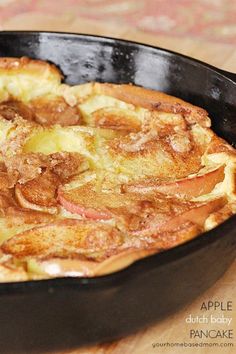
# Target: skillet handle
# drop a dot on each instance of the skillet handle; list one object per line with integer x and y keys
{"x": 231, "y": 76}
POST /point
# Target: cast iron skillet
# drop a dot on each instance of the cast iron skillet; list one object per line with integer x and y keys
{"x": 64, "y": 313}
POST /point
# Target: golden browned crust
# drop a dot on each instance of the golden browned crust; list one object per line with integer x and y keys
{"x": 31, "y": 66}
{"x": 154, "y": 100}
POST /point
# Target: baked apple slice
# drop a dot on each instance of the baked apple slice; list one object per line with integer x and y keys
{"x": 195, "y": 213}
{"x": 145, "y": 154}
{"x": 39, "y": 193}
{"x": 135, "y": 212}
{"x": 66, "y": 239}
{"x": 189, "y": 187}
{"x": 87, "y": 212}
{"x": 90, "y": 201}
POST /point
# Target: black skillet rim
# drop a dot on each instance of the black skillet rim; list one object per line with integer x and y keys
{"x": 140, "y": 265}
{"x": 222, "y": 72}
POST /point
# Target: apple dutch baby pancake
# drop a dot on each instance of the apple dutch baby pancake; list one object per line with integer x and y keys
{"x": 96, "y": 176}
